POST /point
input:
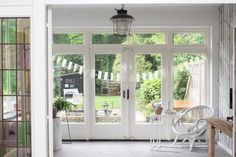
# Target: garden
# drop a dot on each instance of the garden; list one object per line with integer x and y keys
{"x": 147, "y": 69}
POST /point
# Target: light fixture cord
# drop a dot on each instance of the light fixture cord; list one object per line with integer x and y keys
{"x": 122, "y": 6}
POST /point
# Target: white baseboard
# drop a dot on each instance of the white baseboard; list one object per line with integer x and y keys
{"x": 223, "y": 147}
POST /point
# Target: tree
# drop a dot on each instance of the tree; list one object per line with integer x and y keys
{"x": 68, "y": 38}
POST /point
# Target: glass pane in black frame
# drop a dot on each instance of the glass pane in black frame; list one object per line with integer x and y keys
{"x": 9, "y": 30}
{"x": 9, "y": 82}
{"x": 10, "y": 134}
{"x": 9, "y": 108}
{"x": 9, "y": 56}
{"x": 24, "y": 132}
{"x": 23, "y": 108}
{"x": 23, "y": 30}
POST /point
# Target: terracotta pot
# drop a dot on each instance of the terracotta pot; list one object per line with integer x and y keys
{"x": 158, "y": 110}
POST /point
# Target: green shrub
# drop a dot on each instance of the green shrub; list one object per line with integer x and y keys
{"x": 151, "y": 90}
{"x": 181, "y": 83}
{"x": 148, "y": 109}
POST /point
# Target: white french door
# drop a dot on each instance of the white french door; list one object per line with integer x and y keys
{"x": 109, "y": 112}
{"x": 119, "y": 110}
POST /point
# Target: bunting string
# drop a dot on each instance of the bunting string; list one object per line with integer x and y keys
{"x": 104, "y": 75}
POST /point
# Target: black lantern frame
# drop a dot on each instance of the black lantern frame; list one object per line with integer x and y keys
{"x": 122, "y": 22}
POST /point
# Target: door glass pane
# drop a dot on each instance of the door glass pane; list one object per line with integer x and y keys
{"x": 10, "y": 134}
{"x": 148, "y": 85}
{"x": 23, "y": 108}
{"x": 9, "y": 108}
{"x": 23, "y": 28}
{"x": 23, "y": 57}
{"x": 24, "y": 134}
{"x": 107, "y": 88}
{"x": 9, "y": 30}
{"x": 15, "y": 87}
{"x": 69, "y": 85}
{"x": 9, "y": 82}
{"x": 189, "y": 82}
{"x": 1, "y": 111}
{"x": 23, "y": 82}
{"x": 9, "y": 56}
{"x": 24, "y": 152}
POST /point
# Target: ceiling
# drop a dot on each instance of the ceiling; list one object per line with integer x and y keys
{"x": 131, "y": 7}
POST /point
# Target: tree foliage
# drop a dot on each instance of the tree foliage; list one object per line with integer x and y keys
{"x": 151, "y": 90}
{"x": 68, "y": 38}
{"x": 188, "y": 38}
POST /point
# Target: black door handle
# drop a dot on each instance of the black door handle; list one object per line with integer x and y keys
{"x": 127, "y": 94}
{"x": 123, "y": 93}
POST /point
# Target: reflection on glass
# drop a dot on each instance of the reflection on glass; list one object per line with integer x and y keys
{"x": 188, "y": 38}
{"x": 1, "y": 111}
{"x": 2, "y": 149}
{"x": 1, "y": 137}
{"x": 20, "y": 56}
{"x": 189, "y": 81}
{"x": 24, "y": 152}
{"x": 23, "y": 57}
{"x": 148, "y": 85}
{"x": 0, "y": 52}
{"x": 23, "y": 30}
{"x": 23, "y": 82}
{"x": 9, "y": 82}
{"x": 107, "y": 88}
{"x": 1, "y": 82}
{"x": 69, "y": 84}
{"x": 9, "y": 30}
{"x": 9, "y": 56}
{"x": 10, "y": 134}
{"x": 9, "y": 108}
{"x": 24, "y": 134}
{"x": 23, "y": 108}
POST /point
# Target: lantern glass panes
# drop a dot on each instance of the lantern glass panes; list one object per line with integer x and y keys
{"x": 122, "y": 26}
{"x": 122, "y": 22}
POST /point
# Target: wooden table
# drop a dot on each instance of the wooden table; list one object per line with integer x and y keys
{"x": 220, "y": 124}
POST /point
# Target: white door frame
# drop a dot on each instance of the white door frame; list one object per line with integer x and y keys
{"x": 109, "y": 130}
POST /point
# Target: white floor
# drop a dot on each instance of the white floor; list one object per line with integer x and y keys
{"x": 129, "y": 149}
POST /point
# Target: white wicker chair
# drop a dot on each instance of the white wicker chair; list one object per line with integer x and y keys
{"x": 192, "y": 124}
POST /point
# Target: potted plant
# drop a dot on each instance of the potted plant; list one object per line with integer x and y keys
{"x": 61, "y": 105}
{"x": 148, "y": 111}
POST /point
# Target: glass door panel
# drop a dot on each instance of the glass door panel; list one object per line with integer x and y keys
{"x": 147, "y": 85}
{"x": 189, "y": 81}
{"x": 69, "y": 85}
{"x": 15, "y": 87}
{"x": 108, "y": 102}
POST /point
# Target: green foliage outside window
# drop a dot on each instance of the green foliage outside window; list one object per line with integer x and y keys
{"x": 149, "y": 90}
{"x": 188, "y": 38}
{"x": 68, "y": 38}
{"x": 181, "y": 83}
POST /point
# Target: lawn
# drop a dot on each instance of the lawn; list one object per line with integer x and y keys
{"x": 114, "y": 102}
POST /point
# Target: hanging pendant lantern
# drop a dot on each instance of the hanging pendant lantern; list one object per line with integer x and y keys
{"x": 122, "y": 22}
